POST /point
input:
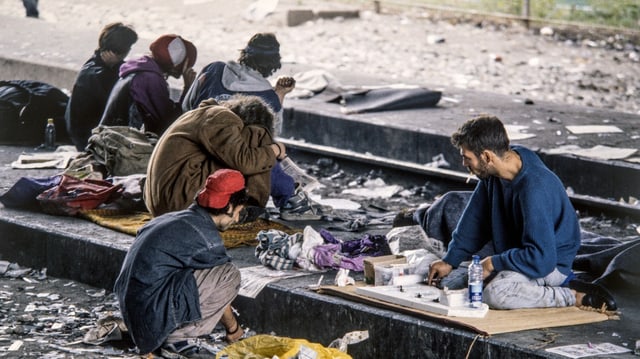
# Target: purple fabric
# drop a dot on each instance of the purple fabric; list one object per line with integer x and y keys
{"x": 369, "y": 245}
{"x": 337, "y": 253}
{"x": 329, "y": 256}
{"x": 150, "y": 90}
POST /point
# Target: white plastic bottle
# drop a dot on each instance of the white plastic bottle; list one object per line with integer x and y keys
{"x": 475, "y": 282}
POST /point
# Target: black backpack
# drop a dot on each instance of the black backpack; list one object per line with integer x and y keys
{"x": 25, "y": 107}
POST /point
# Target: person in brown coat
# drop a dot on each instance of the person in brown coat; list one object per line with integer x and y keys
{"x": 235, "y": 134}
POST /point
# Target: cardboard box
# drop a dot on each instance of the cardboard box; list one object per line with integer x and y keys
{"x": 371, "y": 262}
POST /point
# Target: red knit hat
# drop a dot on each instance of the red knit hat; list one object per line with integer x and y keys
{"x": 219, "y": 188}
{"x": 172, "y": 51}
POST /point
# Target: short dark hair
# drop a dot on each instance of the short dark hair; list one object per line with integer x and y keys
{"x": 239, "y": 198}
{"x": 484, "y": 132}
{"x": 253, "y": 110}
{"x": 117, "y": 37}
{"x": 262, "y": 54}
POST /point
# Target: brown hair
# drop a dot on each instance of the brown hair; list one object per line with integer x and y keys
{"x": 117, "y": 37}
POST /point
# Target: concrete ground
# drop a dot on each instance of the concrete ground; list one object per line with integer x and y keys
{"x": 39, "y": 240}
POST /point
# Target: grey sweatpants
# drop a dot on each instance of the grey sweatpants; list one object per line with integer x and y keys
{"x": 513, "y": 290}
{"x": 217, "y": 287}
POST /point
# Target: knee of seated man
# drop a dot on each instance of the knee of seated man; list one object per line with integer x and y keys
{"x": 502, "y": 292}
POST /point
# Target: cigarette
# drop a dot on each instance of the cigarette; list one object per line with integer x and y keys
{"x": 469, "y": 177}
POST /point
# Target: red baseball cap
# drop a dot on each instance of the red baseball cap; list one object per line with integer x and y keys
{"x": 219, "y": 187}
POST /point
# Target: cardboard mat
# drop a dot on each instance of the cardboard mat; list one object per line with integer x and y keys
{"x": 129, "y": 223}
{"x": 495, "y": 322}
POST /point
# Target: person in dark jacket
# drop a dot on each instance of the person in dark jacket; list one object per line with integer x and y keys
{"x": 177, "y": 281}
{"x": 141, "y": 97}
{"x": 95, "y": 81}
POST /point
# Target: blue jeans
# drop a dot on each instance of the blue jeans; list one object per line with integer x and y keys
{"x": 282, "y": 186}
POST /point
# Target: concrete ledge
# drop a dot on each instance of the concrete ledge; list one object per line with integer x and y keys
{"x": 297, "y": 17}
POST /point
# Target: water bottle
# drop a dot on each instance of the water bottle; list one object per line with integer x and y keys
{"x": 50, "y": 134}
{"x": 475, "y": 282}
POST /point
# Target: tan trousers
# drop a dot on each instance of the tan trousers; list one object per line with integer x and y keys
{"x": 217, "y": 287}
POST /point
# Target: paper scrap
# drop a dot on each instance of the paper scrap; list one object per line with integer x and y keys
{"x": 589, "y": 349}
{"x": 599, "y": 152}
{"x": 518, "y": 132}
{"x": 58, "y": 160}
{"x": 255, "y": 278}
{"x": 377, "y": 192}
{"x": 583, "y": 129}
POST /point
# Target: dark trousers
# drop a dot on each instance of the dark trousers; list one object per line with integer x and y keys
{"x": 31, "y": 6}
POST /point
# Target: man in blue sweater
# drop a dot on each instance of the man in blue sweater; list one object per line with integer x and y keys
{"x": 521, "y": 211}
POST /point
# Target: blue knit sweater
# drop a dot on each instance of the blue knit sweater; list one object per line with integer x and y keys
{"x": 533, "y": 226}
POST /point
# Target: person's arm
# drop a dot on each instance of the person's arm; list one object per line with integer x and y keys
{"x": 224, "y": 136}
{"x": 474, "y": 227}
{"x": 284, "y": 85}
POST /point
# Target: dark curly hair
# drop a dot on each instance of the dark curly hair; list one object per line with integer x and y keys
{"x": 484, "y": 132}
{"x": 262, "y": 54}
{"x": 251, "y": 109}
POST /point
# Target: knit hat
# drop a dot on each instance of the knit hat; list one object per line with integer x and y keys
{"x": 172, "y": 51}
{"x": 219, "y": 188}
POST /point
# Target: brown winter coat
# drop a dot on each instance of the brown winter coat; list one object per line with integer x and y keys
{"x": 197, "y": 144}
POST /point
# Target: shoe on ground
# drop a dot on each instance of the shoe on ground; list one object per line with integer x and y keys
{"x": 189, "y": 349}
{"x": 595, "y": 295}
{"x": 252, "y": 213}
{"x": 404, "y": 218}
{"x": 300, "y": 208}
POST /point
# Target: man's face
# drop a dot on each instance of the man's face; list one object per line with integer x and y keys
{"x": 475, "y": 164}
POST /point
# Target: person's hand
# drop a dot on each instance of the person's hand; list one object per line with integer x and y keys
{"x": 487, "y": 267}
{"x": 279, "y": 150}
{"x": 188, "y": 76}
{"x": 437, "y": 270}
{"x": 110, "y": 58}
{"x": 285, "y": 84}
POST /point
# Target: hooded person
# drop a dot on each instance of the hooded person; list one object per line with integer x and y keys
{"x": 177, "y": 280}
{"x": 95, "y": 81}
{"x": 141, "y": 97}
{"x": 236, "y": 133}
{"x": 259, "y": 60}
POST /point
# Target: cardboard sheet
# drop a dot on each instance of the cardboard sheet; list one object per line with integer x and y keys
{"x": 495, "y": 322}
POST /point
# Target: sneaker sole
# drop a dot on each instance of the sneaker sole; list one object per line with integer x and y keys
{"x": 300, "y": 216}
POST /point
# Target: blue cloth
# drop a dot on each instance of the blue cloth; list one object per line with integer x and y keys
{"x": 23, "y": 194}
{"x": 282, "y": 186}
{"x": 156, "y": 288}
{"x": 213, "y": 87}
{"x": 531, "y": 222}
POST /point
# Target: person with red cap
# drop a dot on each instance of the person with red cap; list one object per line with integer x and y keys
{"x": 177, "y": 280}
{"x": 141, "y": 97}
